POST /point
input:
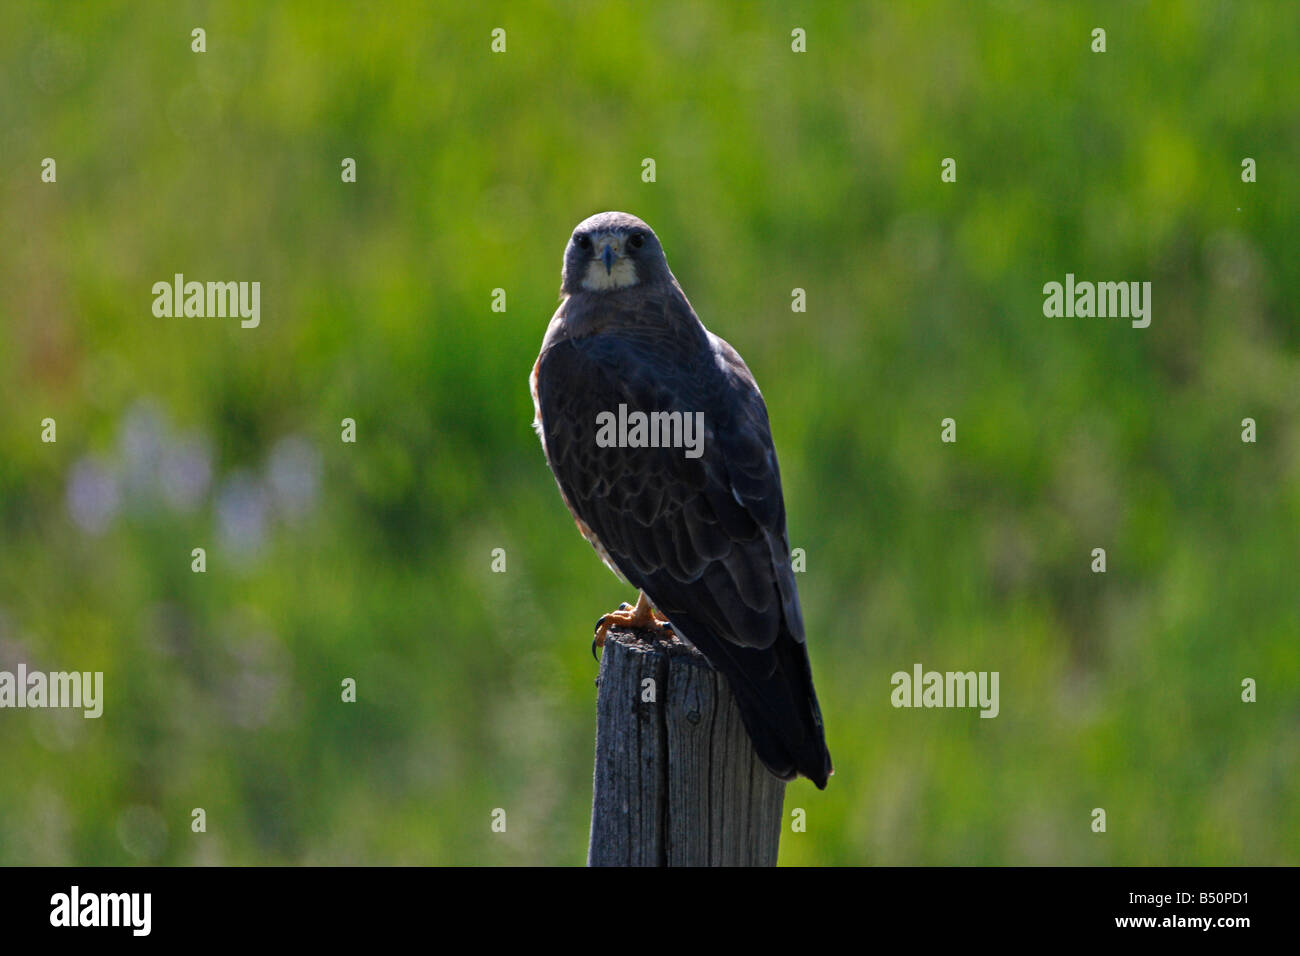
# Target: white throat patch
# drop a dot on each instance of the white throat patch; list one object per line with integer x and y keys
{"x": 620, "y": 277}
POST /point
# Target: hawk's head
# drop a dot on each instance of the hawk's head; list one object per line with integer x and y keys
{"x": 612, "y": 250}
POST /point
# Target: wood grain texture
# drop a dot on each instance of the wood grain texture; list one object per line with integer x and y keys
{"x": 676, "y": 781}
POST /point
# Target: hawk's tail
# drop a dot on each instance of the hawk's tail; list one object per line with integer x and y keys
{"x": 774, "y": 690}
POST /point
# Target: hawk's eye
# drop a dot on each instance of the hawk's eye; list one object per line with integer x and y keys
{"x": 582, "y": 242}
{"x": 636, "y": 240}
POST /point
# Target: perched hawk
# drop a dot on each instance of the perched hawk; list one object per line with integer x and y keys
{"x": 659, "y": 441}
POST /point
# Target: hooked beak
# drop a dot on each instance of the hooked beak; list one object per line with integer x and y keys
{"x": 607, "y": 257}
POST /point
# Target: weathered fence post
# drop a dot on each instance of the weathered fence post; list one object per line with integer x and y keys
{"x": 676, "y": 781}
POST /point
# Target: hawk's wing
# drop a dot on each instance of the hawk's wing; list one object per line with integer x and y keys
{"x": 703, "y": 537}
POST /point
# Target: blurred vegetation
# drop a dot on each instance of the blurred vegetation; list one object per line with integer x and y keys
{"x": 775, "y": 170}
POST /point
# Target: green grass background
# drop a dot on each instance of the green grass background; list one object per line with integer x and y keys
{"x": 775, "y": 170}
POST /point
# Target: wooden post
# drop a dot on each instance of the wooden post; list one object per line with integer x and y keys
{"x": 676, "y": 780}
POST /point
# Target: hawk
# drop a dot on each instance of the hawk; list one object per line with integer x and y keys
{"x": 659, "y": 441}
